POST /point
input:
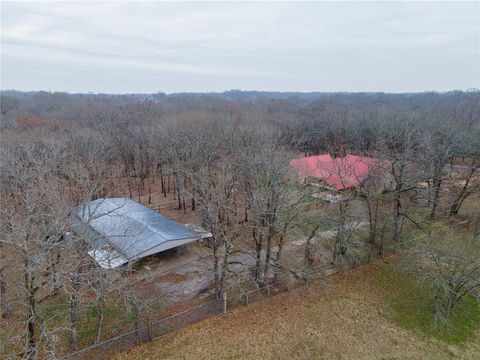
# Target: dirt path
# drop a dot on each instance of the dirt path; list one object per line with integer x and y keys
{"x": 192, "y": 276}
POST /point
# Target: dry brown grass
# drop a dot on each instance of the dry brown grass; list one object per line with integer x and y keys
{"x": 344, "y": 319}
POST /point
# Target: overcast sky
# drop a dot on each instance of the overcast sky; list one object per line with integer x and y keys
{"x": 125, "y": 47}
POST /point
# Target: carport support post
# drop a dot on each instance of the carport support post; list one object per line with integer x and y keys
{"x": 224, "y": 299}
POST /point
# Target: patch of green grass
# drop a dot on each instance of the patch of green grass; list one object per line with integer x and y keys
{"x": 422, "y": 212}
{"x": 115, "y": 317}
{"x": 56, "y": 310}
{"x": 410, "y": 235}
{"x": 410, "y": 304}
{"x": 86, "y": 332}
{"x": 108, "y": 311}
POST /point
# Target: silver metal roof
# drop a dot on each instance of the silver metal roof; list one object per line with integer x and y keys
{"x": 122, "y": 230}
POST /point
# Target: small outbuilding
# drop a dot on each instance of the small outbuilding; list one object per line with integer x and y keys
{"x": 120, "y": 230}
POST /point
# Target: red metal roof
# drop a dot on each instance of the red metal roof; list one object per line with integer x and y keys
{"x": 340, "y": 173}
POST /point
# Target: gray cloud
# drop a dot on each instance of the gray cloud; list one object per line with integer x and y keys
{"x": 122, "y": 47}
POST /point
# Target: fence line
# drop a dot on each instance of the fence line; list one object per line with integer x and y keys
{"x": 160, "y": 328}
{"x": 137, "y": 336}
{"x": 172, "y": 205}
{"x": 147, "y": 333}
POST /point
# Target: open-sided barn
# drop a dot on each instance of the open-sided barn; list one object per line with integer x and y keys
{"x": 120, "y": 230}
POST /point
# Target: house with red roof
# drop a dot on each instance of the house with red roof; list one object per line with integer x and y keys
{"x": 336, "y": 174}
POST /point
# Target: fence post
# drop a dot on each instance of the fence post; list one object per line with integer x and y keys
{"x": 224, "y": 298}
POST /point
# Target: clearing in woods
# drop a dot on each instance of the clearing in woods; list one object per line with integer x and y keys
{"x": 352, "y": 316}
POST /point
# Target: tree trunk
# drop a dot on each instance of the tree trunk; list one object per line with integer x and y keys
{"x": 382, "y": 239}
{"x": 32, "y": 346}
{"x": 162, "y": 183}
{"x": 98, "y": 327}
{"x": 258, "y": 248}
{"x": 29, "y": 283}
{"x": 268, "y": 253}
{"x": 279, "y": 254}
{"x": 396, "y": 218}
{"x": 476, "y": 230}
{"x": 372, "y": 220}
{"x": 55, "y": 275}
{"x": 335, "y": 245}
{"x": 4, "y": 306}
{"x": 436, "y": 195}
{"x": 139, "y": 190}
{"x": 215, "y": 267}
{"x": 307, "y": 253}
{"x": 149, "y": 192}
{"x": 457, "y": 203}
{"x": 221, "y": 285}
{"x": 73, "y": 318}
{"x": 129, "y": 185}
{"x": 429, "y": 193}
{"x": 136, "y": 320}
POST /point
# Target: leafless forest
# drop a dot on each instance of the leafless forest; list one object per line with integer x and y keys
{"x": 223, "y": 160}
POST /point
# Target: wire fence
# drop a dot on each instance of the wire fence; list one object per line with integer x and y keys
{"x": 160, "y": 328}
{"x": 237, "y": 297}
{"x": 157, "y": 329}
{"x": 172, "y": 205}
{"x": 151, "y": 331}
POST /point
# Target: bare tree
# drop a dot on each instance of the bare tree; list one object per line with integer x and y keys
{"x": 400, "y": 138}
{"x": 438, "y": 148}
{"x": 33, "y": 223}
{"x": 450, "y": 262}
{"x": 215, "y": 193}
{"x": 310, "y": 224}
{"x": 469, "y": 150}
{"x": 266, "y": 177}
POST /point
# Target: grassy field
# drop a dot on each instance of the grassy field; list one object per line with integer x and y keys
{"x": 374, "y": 312}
